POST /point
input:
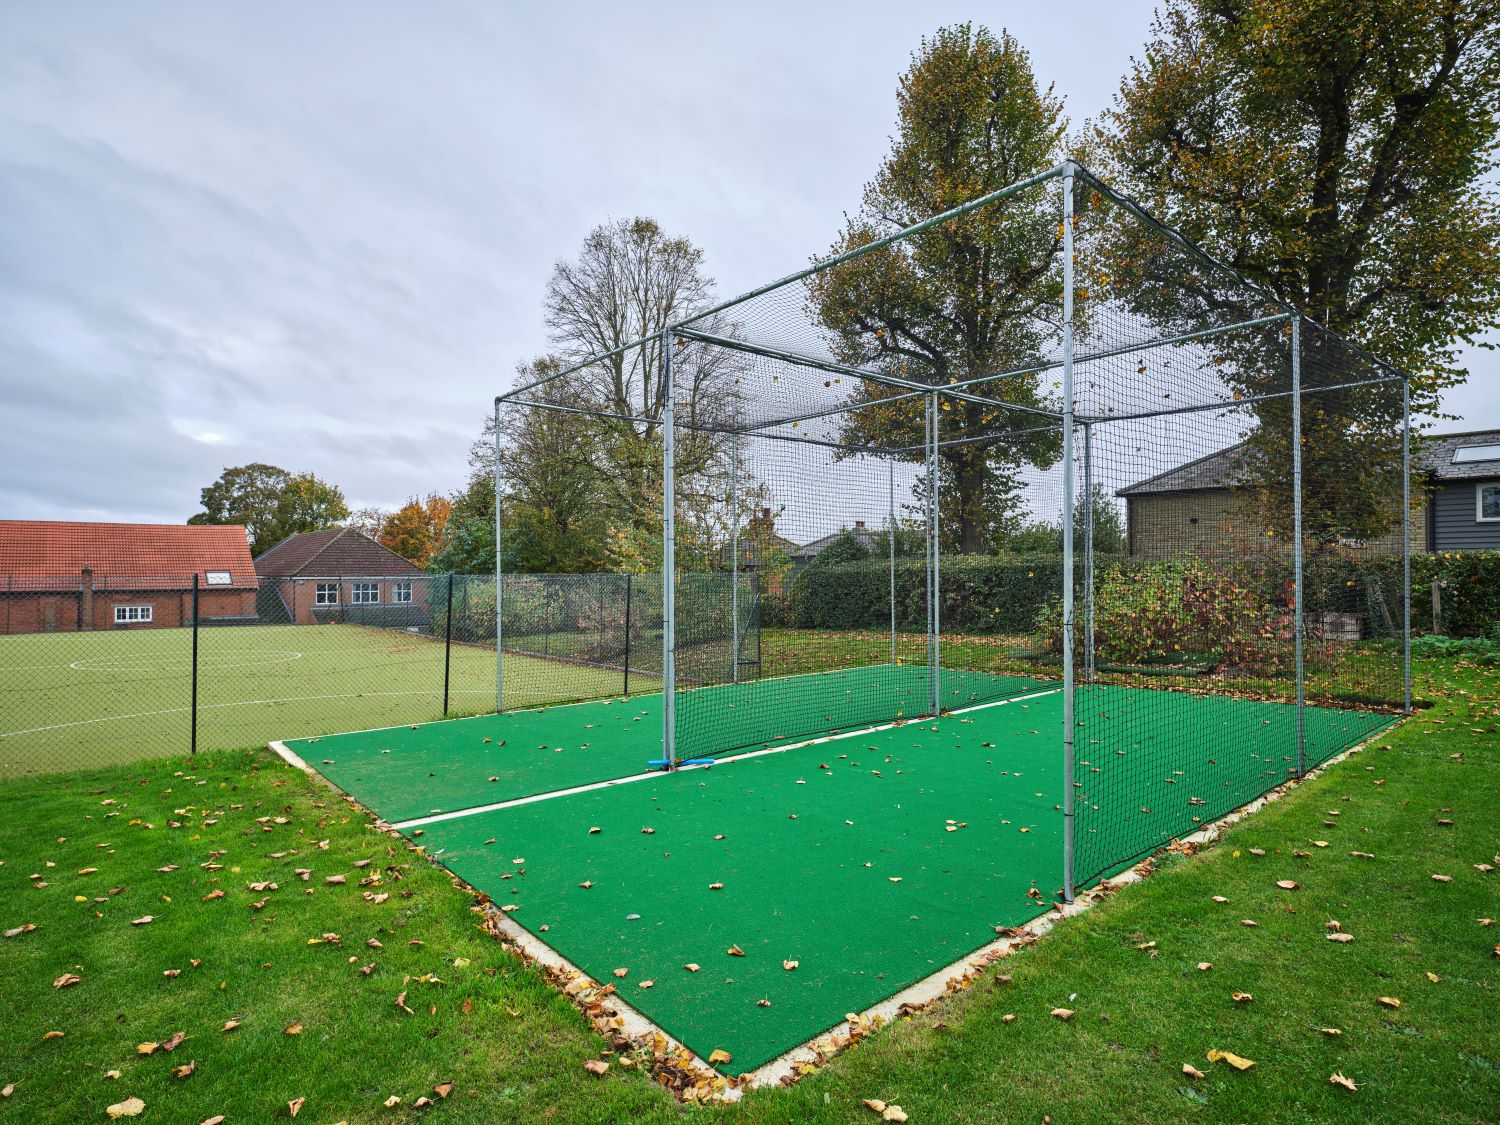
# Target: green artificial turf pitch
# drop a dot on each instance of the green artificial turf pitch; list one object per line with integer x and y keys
{"x": 872, "y": 860}
{"x": 414, "y": 771}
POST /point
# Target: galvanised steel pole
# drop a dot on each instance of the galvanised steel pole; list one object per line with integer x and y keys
{"x": 193, "y": 743}
{"x": 669, "y": 559}
{"x": 734, "y": 588}
{"x": 1299, "y": 613}
{"x": 937, "y": 568}
{"x": 890, "y": 526}
{"x": 931, "y": 467}
{"x": 1406, "y": 545}
{"x": 1088, "y": 551}
{"x": 1069, "y": 720}
{"x": 448, "y": 644}
{"x": 499, "y": 581}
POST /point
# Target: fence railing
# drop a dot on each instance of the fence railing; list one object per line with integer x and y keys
{"x": 99, "y": 669}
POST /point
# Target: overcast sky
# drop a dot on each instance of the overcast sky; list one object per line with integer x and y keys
{"x": 318, "y": 234}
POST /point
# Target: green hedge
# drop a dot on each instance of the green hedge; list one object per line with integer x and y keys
{"x": 980, "y": 594}
{"x": 1009, "y": 593}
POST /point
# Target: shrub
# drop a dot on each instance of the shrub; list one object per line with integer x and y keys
{"x": 979, "y": 594}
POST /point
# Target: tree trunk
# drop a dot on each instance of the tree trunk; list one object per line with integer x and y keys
{"x": 968, "y": 478}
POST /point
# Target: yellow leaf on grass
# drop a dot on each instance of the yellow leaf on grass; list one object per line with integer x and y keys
{"x": 720, "y": 1056}
{"x": 294, "y": 1106}
{"x": 1191, "y": 1071}
{"x": 130, "y": 1107}
{"x": 1388, "y": 1001}
{"x": 1339, "y": 1080}
{"x": 1231, "y": 1058}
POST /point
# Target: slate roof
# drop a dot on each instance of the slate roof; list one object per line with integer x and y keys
{"x": 1224, "y": 469}
{"x": 1438, "y": 450}
{"x": 335, "y": 553}
{"x": 1227, "y": 468}
{"x": 51, "y": 554}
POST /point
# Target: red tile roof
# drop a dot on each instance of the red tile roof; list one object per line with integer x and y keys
{"x": 51, "y": 555}
{"x": 336, "y": 552}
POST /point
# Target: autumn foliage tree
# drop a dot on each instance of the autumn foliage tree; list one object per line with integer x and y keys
{"x": 977, "y": 296}
{"x": 415, "y": 530}
{"x": 1340, "y": 155}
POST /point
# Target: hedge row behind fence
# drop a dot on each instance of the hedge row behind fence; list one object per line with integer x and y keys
{"x": 980, "y": 594}
{"x": 1010, "y": 594}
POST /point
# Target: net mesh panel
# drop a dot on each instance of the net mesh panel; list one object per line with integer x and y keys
{"x": 816, "y": 648}
{"x": 1186, "y": 632}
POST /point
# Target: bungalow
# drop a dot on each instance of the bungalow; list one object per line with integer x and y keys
{"x": 340, "y": 575}
{"x": 58, "y": 576}
{"x": 1193, "y": 508}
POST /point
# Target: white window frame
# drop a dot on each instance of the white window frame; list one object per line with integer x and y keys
{"x": 1479, "y": 516}
{"x": 326, "y": 593}
{"x": 364, "y": 593}
{"x": 401, "y": 592}
{"x": 217, "y": 578}
{"x": 132, "y": 614}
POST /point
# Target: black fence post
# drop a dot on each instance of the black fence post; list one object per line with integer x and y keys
{"x": 629, "y": 582}
{"x": 193, "y": 744}
{"x": 448, "y": 644}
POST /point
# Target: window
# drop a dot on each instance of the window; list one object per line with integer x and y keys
{"x": 125, "y": 614}
{"x": 217, "y": 577}
{"x": 364, "y": 593}
{"x": 1487, "y": 502}
{"x": 1476, "y": 453}
{"x": 327, "y": 593}
{"x": 400, "y": 591}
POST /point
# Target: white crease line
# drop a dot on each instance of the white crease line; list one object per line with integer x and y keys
{"x": 437, "y": 818}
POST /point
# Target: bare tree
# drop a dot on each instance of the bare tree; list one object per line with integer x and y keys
{"x": 630, "y": 282}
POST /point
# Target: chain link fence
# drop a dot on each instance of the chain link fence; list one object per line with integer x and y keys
{"x": 98, "y": 669}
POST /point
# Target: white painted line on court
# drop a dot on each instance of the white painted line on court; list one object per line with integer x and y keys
{"x": 438, "y": 818}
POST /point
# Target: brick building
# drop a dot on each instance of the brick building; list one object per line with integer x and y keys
{"x": 340, "y": 575}
{"x": 58, "y": 576}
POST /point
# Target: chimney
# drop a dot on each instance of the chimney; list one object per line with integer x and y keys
{"x": 86, "y": 600}
{"x": 859, "y": 525}
{"x": 765, "y": 514}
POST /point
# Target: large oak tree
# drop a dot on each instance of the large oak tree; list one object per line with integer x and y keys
{"x": 977, "y": 296}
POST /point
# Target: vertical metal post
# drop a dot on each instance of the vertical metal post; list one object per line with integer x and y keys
{"x": 931, "y": 567}
{"x": 629, "y": 583}
{"x": 193, "y": 738}
{"x": 499, "y": 581}
{"x": 890, "y": 526}
{"x": 1069, "y": 720}
{"x": 1088, "y": 552}
{"x": 937, "y": 567}
{"x": 1406, "y": 544}
{"x": 734, "y": 580}
{"x": 669, "y": 560}
{"x": 448, "y": 644}
{"x": 1298, "y": 612}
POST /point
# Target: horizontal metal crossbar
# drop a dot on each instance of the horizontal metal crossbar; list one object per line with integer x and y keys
{"x": 1230, "y": 404}
{"x": 951, "y": 390}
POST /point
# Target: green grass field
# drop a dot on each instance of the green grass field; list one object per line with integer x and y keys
{"x": 72, "y": 700}
{"x": 83, "y": 855}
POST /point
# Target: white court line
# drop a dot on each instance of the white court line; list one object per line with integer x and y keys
{"x": 436, "y": 818}
{"x": 248, "y": 703}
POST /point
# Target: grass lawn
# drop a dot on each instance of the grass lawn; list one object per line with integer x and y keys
{"x": 514, "y": 1048}
{"x": 70, "y": 700}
